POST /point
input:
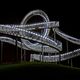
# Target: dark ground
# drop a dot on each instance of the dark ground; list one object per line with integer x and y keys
{"x": 38, "y": 71}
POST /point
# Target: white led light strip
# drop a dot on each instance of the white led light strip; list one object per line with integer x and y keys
{"x": 24, "y": 31}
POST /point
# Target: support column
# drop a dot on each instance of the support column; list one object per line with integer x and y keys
{"x": 42, "y": 53}
{"x": 21, "y": 51}
{"x": 67, "y": 51}
{"x": 31, "y": 57}
{"x": 1, "y": 51}
{"x": 16, "y": 49}
{"x": 60, "y": 57}
{"x": 24, "y": 55}
{"x": 55, "y": 40}
{"x": 71, "y": 63}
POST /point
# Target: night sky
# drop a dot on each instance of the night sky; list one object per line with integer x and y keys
{"x": 67, "y": 14}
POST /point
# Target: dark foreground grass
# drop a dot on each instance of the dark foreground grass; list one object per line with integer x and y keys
{"x": 39, "y": 70}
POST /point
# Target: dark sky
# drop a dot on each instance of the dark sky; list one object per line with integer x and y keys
{"x": 66, "y": 13}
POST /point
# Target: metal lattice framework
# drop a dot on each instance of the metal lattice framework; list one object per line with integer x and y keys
{"x": 44, "y": 44}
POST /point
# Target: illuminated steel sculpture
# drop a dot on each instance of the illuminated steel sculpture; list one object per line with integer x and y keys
{"x": 44, "y": 44}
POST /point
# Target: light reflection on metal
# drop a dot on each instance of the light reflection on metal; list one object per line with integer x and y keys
{"x": 44, "y": 44}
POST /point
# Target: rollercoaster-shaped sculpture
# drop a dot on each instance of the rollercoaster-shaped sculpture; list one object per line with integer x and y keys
{"x": 44, "y": 44}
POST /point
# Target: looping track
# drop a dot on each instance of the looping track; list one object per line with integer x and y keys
{"x": 43, "y": 42}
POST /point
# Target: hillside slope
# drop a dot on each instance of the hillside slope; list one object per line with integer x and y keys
{"x": 35, "y": 69}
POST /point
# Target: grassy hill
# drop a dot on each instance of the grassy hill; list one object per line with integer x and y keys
{"x": 38, "y": 69}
